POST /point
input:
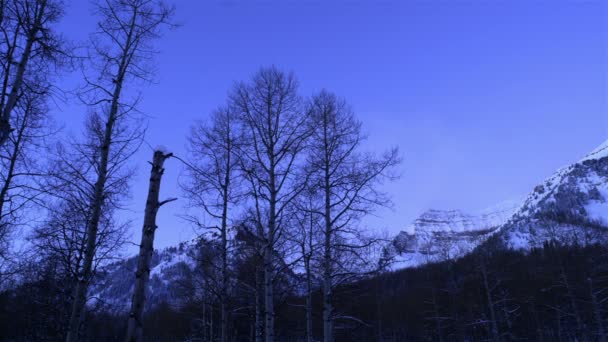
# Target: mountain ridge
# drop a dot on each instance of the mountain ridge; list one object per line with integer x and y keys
{"x": 571, "y": 205}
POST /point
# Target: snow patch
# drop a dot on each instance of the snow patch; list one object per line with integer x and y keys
{"x": 598, "y": 211}
{"x": 162, "y": 149}
{"x": 599, "y": 153}
{"x": 170, "y": 261}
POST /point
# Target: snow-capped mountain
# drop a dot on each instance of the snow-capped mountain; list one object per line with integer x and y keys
{"x": 444, "y": 234}
{"x": 570, "y": 206}
{"x": 170, "y": 266}
{"x": 177, "y": 274}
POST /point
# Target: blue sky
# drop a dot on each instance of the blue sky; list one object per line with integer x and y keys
{"x": 485, "y": 98}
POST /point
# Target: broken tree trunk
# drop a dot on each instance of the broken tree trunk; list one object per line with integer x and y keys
{"x": 146, "y": 248}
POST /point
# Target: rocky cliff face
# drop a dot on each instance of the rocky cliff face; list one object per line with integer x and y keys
{"x": 438, "y": 235}
{"x": 571, "y": 206}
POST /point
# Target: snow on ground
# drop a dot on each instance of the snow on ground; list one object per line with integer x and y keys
{"x": 169, "y": 260}
{"x": 598, "y": 209}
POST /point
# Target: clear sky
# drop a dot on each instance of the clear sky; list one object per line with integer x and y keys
{"x": 485, "y": 98}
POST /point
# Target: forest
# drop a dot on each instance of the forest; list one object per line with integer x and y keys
{"x": 554, "y": 293}
{"x": 278, "y": 186}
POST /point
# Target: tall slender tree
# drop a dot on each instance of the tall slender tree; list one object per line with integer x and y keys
{"x": 347, "y": 181}
{"x": 276, "y": 132}
{"x": 20, "y": 169}
{"x": 31, "y": 53}
{"x": 123, "y": 48}
{"x": 306, "y": 235}
{"x": 213, "y": 186}
{"x": 28, "y": 44}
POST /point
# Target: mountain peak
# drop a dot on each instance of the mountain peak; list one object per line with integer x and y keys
{"x": 570, "y": 206}
{"x": 598, "y": 153}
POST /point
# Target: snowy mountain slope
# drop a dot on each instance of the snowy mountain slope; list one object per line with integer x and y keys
{"x": 113, "y": 287}
{"x": 570, "y": 206}
{"x": 176, "y": 273}
{"x": 438, "y": 235}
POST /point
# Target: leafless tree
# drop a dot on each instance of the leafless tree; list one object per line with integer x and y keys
{"x": 306, "y": 234}
{"x": 275, "y": 135}
{"x": 20, "y": 168}
{"x": 62, "y": 237}
{"x": 213, "y": 186}
{"x": 28, "y": 46}
{"x": 122, "y": 52}
{"x": 30, "y": 55}
{"x": 347, "y": 181}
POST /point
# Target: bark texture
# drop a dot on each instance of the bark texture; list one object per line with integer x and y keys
{"x": 146, "y": 249}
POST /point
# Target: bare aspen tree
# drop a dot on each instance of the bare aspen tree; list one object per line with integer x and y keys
{"x": 306, "y": 236}
{"x": 62, "y": 237}
{"x": 27, "y": 39}
{"x": 20, "y": 170}
{"x": 71, "y": 187}
{"x": 135, "y": 331}
{"x": 30, "y": 54}
{"x": 213, "y": 186}
{"x": 347, "y": 181}
{"x": 122, "y": 52}
{"x": 275, "y": 134}
{"x": 488, "y": 289}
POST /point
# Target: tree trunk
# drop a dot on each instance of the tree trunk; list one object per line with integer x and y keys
{"x": 494, "y": 323}
{"x": 224, "y": 270}
{"x": 595, "y": 304}
{"x": 81, "y": 287}
{"x": 327, "y": 305}
{"x": 309, "y": 336}
{"x": 5, "y": 127}
{"x": 211, "y": 335}
{"x": 259, "y": 304}
{"x": 204, "y": 325}
{"x": 437, "y": 316}
{"x": 97, "y": 202}
{"x": 13, "y": 156}
{"x": 268, "y": 254}
{"x": 327, "y": 264}
{"x": 268, "y": 294}
{"x": 572, "y": 298}
{"x": 146, "y": 249}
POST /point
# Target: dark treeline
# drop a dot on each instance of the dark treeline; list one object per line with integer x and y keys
{"x": 501, "y": 295}
{"x": 276, "y": 182}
